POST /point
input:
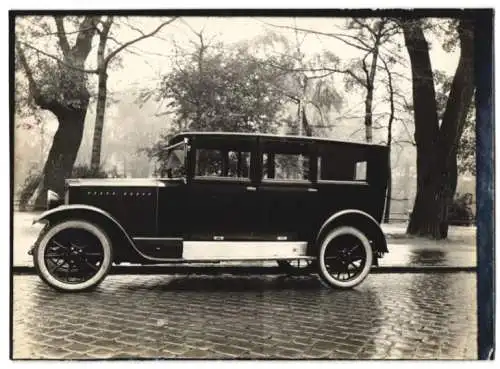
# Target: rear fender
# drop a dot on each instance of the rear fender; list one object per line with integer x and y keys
{"x": 360, "y": 220}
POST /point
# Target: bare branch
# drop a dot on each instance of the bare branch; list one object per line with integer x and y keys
{"x": 34, "y": 92}
{"x": 33, "y": 88}
{"x": 391, "y": 97}
{"x": 61, "y": 34}
{"x": 337, "y": 36}
{"x": 58, "y": 59}
{"x": 103, "y": 38}
{"x": 66, "y": 32}
{"x": 406, "y": 129}
{"x": 405, "y": 141}
{"x": 83, "y": 43}
{"x": 365, "y": 69}
{"x": 134, "y": 28}
{"x": 327, "y": 70}
{"x": 131, "y": 42}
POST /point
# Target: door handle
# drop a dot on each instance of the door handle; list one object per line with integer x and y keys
{"x": 251, "y": 188}
{"x": 312, "y": 190}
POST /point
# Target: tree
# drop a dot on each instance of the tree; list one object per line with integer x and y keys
{"x": 437, "y": 144}
{"x": 390, "y": 90}
{"x": 311, "y": 90}
{"x": 218, "y": 89}
{"x": 367, "y": 36}
{"x": 466, "y": 152}
{"x": 58, "y": 83}
{"x": 103, "y": 62}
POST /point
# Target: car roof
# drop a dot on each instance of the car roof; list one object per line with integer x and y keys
{"x": 252, "y": 136}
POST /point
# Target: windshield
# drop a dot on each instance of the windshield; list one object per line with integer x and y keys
{"x": 175, "y": 167}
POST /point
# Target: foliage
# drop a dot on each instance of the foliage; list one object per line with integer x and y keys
{"x": 466, "y": 154}
{"x": 460, "y": 211}
{"x": 218, "y": 91}
{"x": 308, "y": 80}
{"x": 214, "y": 89}
{"x": 28, "y": 187}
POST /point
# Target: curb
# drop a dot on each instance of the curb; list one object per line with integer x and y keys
{"x": 218, "y": 270}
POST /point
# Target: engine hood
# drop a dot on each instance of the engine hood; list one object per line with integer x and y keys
{"x": 115, "y": 182}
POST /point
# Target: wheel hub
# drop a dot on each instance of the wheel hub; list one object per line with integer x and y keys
{"x": 70, "y": 262}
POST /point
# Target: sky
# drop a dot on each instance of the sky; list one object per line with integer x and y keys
{"x": 236, "y": 29}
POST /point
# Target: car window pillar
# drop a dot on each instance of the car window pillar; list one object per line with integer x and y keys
{"x": 225, "y": 162}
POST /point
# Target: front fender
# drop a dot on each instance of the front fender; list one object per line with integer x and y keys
{"x": 359, "y": 219}
{"x": 49, "y": 214}
{"x": 92, "y": 214}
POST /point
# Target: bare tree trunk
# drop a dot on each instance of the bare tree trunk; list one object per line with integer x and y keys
{"x": 305, "y": 123}
{"x": 62, "y": 154}
{"x": 389, "y": 143}
{"x": 437, "y": 146}
{"x": 95, "y": 161}
{"x": 102, "y": 64}
{"x": 370, "y": 79}
{"x": 387, "y": 214}
{"x": 368, "y": 115}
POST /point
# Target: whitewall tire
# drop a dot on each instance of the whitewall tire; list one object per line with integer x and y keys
{"x": 73, "y": 256}
{"x": 345, "y": 257}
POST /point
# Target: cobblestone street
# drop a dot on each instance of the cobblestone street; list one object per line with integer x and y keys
{"x": 389, "y": 316}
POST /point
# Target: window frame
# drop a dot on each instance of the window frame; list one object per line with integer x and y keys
{"x": 223, "y": 145}
{"x": 185, "y": 143}
{"x": 333, "y": 151}
{"x": 290, "y": 147}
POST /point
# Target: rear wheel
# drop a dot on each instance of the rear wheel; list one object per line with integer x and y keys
{"x": 344, "y": 257}
{"x": 73, "y": 255}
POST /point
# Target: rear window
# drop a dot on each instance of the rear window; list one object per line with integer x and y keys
{"x": 341, "y": 169}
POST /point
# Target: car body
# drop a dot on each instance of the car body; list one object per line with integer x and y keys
{"x": 224, "y": 196}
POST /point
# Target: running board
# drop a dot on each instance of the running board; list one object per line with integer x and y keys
{"x": 240, "y": 250}
{"x": 174, "y": 249}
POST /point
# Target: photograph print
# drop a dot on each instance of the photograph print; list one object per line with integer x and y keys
{"x": 251, "y": 185}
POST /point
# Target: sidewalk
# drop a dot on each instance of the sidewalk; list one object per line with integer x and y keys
{"x": 458, "y": 251}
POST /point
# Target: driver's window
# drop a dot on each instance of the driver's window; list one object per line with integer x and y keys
{"x": 175, "y": 166}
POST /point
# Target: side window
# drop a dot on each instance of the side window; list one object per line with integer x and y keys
{"x": 341, "y": 169}
{"x": 360, "y": 171}
{"x": 208, "y": 163}
{"x": 288, "y": 167}
{"x": 239, "y": 164}
{"x": 222, "y": 163}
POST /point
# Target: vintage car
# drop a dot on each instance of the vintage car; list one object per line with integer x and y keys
{"x": 225, "y": 197}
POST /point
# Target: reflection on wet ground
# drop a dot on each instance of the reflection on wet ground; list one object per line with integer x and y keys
{"x": 408, "y": 254}
{"x": 410, "y": 316}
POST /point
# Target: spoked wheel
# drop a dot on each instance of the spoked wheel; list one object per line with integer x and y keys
{"x": 296, "y": 266}
{"x": 345, "y": 257}
{"x": 73, "y": 256}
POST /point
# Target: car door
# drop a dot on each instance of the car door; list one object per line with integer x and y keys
{"x": 221, "y": 191}
{"x": 287, "y": 194}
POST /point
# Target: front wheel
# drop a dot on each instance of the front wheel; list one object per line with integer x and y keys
{"x": 344, "y": 257}
{"x": 73, "y": 255}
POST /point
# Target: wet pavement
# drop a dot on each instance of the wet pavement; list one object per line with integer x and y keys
{"x": 413, "y": 315}
{"x": 389, "y": 316}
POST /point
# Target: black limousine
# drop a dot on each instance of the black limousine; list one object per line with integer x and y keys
{"x": 301, "y": 201}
